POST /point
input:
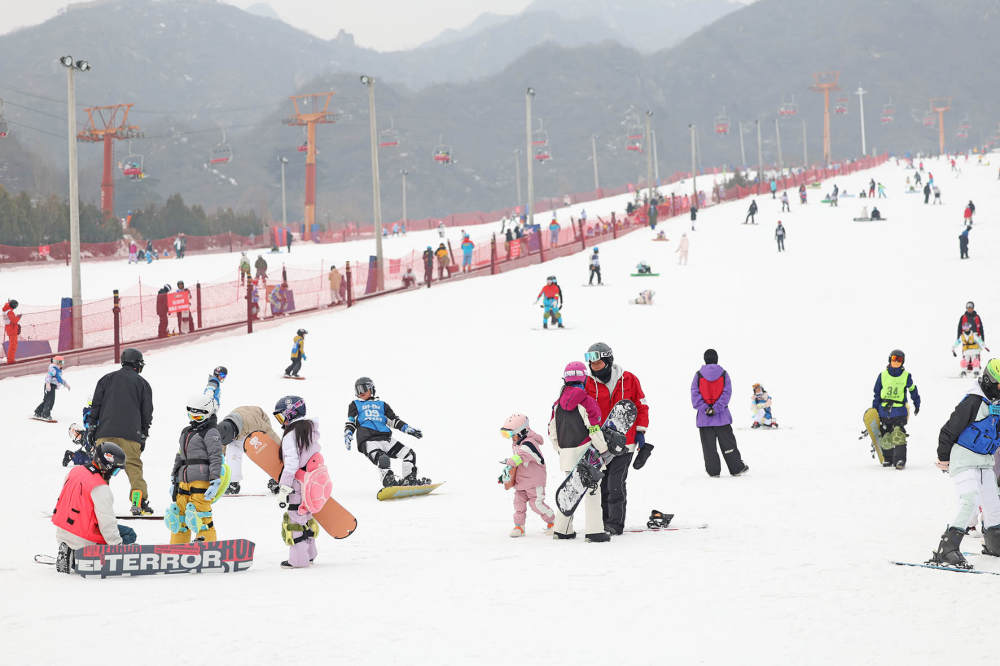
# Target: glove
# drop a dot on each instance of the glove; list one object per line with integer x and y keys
{"x": 943, "y": 465}
{"x": 710, "y": 411}
{"x": 516, "y": 459}
{"x": 348, "y": 436}
{"x": 640, "y": 438}
{"x": 213, "y": 489}
{"x": 954, "y": 354}
{"x": 66, "y": 384}
{"x": 410, "y": 430}
{"x": 642, "y": 456}
{"x": 142, "y": 441}
{"x": 283, "y": 493}
{"x": 916, "y": 409}
{"x": 303, "y": 357}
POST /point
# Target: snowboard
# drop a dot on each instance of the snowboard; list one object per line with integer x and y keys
{"x": 291, "y": 377}
{"x": 645, "y": 274}
{"x": 399, "y": 492}
{"x": 868, "y": 219}
{"x": 103, "y": 561}
{"x": 587, "y": 472}
{"x": 871, "y": 422}
{"x": 39, "y": 418}
{"x": 266, "y": 453}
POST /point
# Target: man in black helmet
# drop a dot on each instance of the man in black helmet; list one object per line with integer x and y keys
{"x": 122, "y": 410}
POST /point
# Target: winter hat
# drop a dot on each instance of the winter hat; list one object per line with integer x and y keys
{"x": 574, "y": 372}
{"x": 711, "y": 356}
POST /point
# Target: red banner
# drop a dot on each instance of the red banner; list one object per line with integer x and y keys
{"x": 178, "y": 301}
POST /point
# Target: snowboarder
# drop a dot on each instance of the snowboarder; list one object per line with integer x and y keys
{"x": 85, "y": 512}
{"x": 963, "y": 243}
{"x": 214, "y": 385}
{"x": 711, "y": 390}
{"x": 12, "y": 328}
{"x": 552, "y": 302}
{"x": 645, "y": 297}
{"x": 937, "y": 195}
{"x": 876, "y": 214}
{"x": 554, "y": 228}
{"x": 881, "y": 191}
{"x": 751, "y": 213}
{"x": 891, "y": 389}
{"x": 595, "y": 267}
{"x": 261, "y": 266}
{"x": 302, "y": 481}
{"x": 970, "y": 315}
{"x": 608, "y": 383}
{"x": 233, "y": 429}
{"x": 428, "y": 257}
{"x": 526, "y": 470}
{"x": 760, "y": 405}
{"x": 972, "y": 346}
{"x": 442, "y": 256}
{"x": 643, "y": 268}
{"x": 53, "y": 379}
{"x": 802, "y": 194}
{"x": 372, "y": 419}
{"x": 785, "y": 206}
{"x": 779, "y": 235}
{"x": 441, "y": 229}
{"x": 965, "y": 450}
{"x": 967, "y": 216}
{"x": 298, "y": 353}
{"x": 574, "y": 424}
{"x": 871, "y": 188}
{"x": 927, "y": 192}
{"x": 694, "y": 215}
{"x": 196, "y": 477}
{"x": 682, "y": 250}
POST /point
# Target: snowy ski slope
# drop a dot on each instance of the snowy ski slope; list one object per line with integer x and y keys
{"x": 792, "y": 569}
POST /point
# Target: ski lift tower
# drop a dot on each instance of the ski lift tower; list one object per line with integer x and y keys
{"x": 105, "y": 124}
{"x": 310, "y": 110}
{"x": 824, "y": 82}
{"x": 939, "y": 105}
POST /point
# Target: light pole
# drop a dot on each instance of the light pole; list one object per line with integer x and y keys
{"x": 760, "y": 158}
{"x": 860, "y": 92}
{"x": 284, "y": 209}
{"x": 656, "y": 161}
{"x": 649, "y": 155}
{"x": 694, "y": 168}
{"x": 403, "y": 173}
{"x": 369, "y": 82}
{"x": 529, "y": 207}
{"x": 517, "y": 176}
{"x": 777, "y": 138}
{"x": 74, "y": 199}
{"x": 593, "y": 153}
{"x": 805, "y": 147}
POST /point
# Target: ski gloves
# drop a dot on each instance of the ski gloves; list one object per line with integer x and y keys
{"x": 213, "y": 489}
{"x": 644, "y": 450}
{"x": 410, "y": 430}
{"x": 710, "y": 411}
{"x": 348, "y": 436}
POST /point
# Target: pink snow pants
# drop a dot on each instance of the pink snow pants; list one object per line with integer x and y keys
{"x": 536, "y": 498}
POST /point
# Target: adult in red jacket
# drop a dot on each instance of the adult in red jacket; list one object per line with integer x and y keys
{"x": 972, "y": 317}
{"x": 608, "y": 383}
{"x": 12, "y": 328}
{"x": 85, "y": 513}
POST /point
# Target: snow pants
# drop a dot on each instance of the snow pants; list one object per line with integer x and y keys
{"x": 970, "y": 359}
{"x": 300, "y": 554}
{"x": 551, "y": 309}
{"x": 591, "y": 503}
{"x": 763, "y": 416}
{"x": 781, "y": 243}
{"x": 727, "y": 442}
{"x": 194, "y": 493}
{"x": 614, "y": 495}
{"x": 44, "y": 410}
{"x": 133, "y": 463}
{"x": 595, "y": 270}
{"x": 294, "y": 367}
{"x": 535, "y": 498}
{"x": 682, "y": 257}
{"x": 976, "y": 488}
{"x": 379, "y": 451}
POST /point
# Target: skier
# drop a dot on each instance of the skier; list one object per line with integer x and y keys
{"x": 526, "y": 468}
{"x": 234, "y": 428}
{"x": 442, "y": 256}
{"x": 133, "y": 252}
{"x": 595, "y": 267}
{"x": 694, "y": 215}
{"x": 963, "y": 243}
{"x": 802, "y": 194}
{"x": 12, "y": 328}
{"x": 441, "y": 229}
{"x": 967, "y": 216}
{"x": 682, "y": 250}
{"x": 554, "y": 228}
{"x": 970, "y": 315}
{"x": 298, "y": 353}
{"x": 371, "y": 418}
{"x": 937, "y": 195}
{"x": 53, "y": 379}
{"x": 711, "y": 390}
{"x": 871, "y": 188}
{"x": 891, "y": 389}
{"x": 927, "y": 192}
{"x": 761, "y": 408}
{"x": 552, "y": 302}
{"x": 467, "y": 247}
{"x": 779, "y": 235}
{"x": 971, "y": 349}
{"x": 214, "y": 385}
{"x": 965, "y": 450}
{"x": 972, "y": 210}
{"x": 196, "y": 477}
{"x": 751, "y": 213}
{"x": 85, "y": 512}
{"x": 244, "y": 268}
{"x": 428, "y": 257}
{"x": 881, "y": 191}
{"x": 302, "y": 466}
{"x": 785, "y": 207}
{"x": 608, "y": 383}
{"x": 261, "y": 267}
{"x": 575, "y": 423}
{"x": 774, "y": 187}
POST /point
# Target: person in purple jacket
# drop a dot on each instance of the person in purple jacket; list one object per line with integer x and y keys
{"x": 711, "y": 390}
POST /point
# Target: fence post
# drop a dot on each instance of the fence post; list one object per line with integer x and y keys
{"x": 116, "y": 311}
{"x": 541, "y": 247}
{"x": 197, "y": 295}
{"x": 493, "y": 254}
{"x": 583, "y": 235}
{"x": 230, "y": 249}
{"x": 350, "y": 286}
{"x": 249, "y": 306}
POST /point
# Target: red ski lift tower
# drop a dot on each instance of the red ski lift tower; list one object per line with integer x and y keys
{"x": 105, "y": 124}
{"x": 939, "y": 105}
{"x": 824, "y": 82}
{"x": 310, "y": 110}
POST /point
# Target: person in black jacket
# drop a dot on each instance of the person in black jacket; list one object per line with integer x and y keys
{"x": 751, "y": 213}
{"x": 972, "y": 317}
{"x": 121, "y": 412}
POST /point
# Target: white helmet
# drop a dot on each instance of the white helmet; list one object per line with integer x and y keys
{"x": 200, "y": 407}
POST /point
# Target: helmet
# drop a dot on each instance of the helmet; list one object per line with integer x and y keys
{"x": 12, "y": 303}
{"x": 574, "y": 372}
{"x": 989, "y": 381}
{"x": 757, "y": 387}
{"x": 289, "y": 409}
{"x": 516, "y": 425}
{"x": 966, "y": 326}
{"x": 220, "y": 372}
{"x": 599, "y": 351}
{"x": 132, "y": 358}
{"x": 76, "y": 433}
{"x": 898, "y": 355}
{"x": 970, "y": 306}
{"x": 596, "y": 251}
{"x": 363, "y": 385}
{"x": 59, "y": 359}
{"x": 301, "y": 331}
{"x": 108, "y": 459}
{"x": 200, "y": 407}
{"x": 551, "y": 278}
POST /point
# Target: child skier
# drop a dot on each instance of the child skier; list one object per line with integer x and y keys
{"x": 761, "y": 408}
{"x": 372, "y": 420}
{"x": 891, "y": 388}
{"x": 575, "y": 423}
{"x": 526, "y": 471}
{"x": 552, "y": 303}
{"x": 196, "y": 477}
{"x": 53, "y": 379}
{"x": 972, "y": 345}
{"x": 965, "y": 450}
{"x": 298, "y": 353}
{"x": 301, "y": 457}
{"x": 214, "y": 385}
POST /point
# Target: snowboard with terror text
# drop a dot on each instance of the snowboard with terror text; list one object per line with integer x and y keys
{"x": 615, "y": 430}
{"x": 266, "y": 453}
{"x": 103, "y": 561}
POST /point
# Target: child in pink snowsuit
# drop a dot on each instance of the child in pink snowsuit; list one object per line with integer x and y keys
{"x": 527, "y": 468}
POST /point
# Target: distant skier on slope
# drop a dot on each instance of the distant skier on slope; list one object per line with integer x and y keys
{"x": 552, "y": 303}
{"x": 595, "y": 267}
{"x": 972, "y": 346}
{"x": 891, "y": 389}
{"x": 970, "y": 315}
{"x": 214, "y": 385}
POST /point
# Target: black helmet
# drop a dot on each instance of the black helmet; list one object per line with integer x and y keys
{"x": 108, "y": 459}
{"x": 301, "y": 331}
{"x": 12, "y": 303}
{"x": 132, "y": 358}
{"x": 363, "y": 385}
{"x": 220, "y": 372}
{"x": 898, "y": 355}
{"x": 288, "y": 409}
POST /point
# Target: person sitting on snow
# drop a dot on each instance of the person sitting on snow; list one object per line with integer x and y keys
{"x": 645, "y": 297}
{"x": 761, "y": 408}
{"x": 643, "y": 267}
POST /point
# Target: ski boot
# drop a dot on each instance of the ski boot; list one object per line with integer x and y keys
{"x": 756, "y": 424}
{"x": 412, "y": 479}
{"x": 140, "y": 505}
{"x": 64, "y": 559}
{"x": 598, "y": 537}
{"x": 948, "y": 552}
{"x": 774, "y": 424}
{"x": 389, "y": 479}
{"x": 560, "y": 325}
{"x": 234, "y": 488}
{"x": 545, "y": 324}
{"x": 67, "y": 457}
{"x": 658, "y": 519}
{"x": 518, "y": 531}
{"x": 991, "y": 541}
{"x": 273, "y": 486}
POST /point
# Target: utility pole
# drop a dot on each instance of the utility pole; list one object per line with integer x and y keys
{"x": 403, "y": 173}
{"x": 760, "y": 158}
{"x": 860, "y": 92}
{"x": 593, "y": 154}
{"x": 517, "y": 177}
{"x": 74, "y": 197}
{"x": 777, "y": 136}
{"x": 656, "y": 161}
{"x": 649, "y": 155}
{"x": 805, "y": 148}
{"x": 284, "y": 208}
{"x": 743, "y": 152}
{"x": 369, "y": 82}
{"x": 529, "y": 208}
{"x": 694, "y": 169}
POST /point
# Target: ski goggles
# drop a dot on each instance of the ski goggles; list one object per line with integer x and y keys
{"x": 197, "y": 414}
{"x": 592, "y": 356}
{"x": 896, "y": 359}
{"x": 505, "y": 433}
{"x": 279, "y": 417}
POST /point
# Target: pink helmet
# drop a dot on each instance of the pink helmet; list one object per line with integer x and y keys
{"x": 516, "y": 425}
{"x": 574, "y": 371}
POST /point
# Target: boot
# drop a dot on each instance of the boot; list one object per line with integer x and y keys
{"x": 67, "y": 457}
{"x": 273, "y": 486}
{"x": 389, "y": 479}
{"x": 234, "y": 488}
{"x": 599, "y": 537}
{"x": 518, "y": 531}
{"x": 560, "y": 535}
{"x": 412, "y": 479}
{"x": 991, "y": 541}
{"x": 948, "y": 552}
{"x": 64, "y": 559}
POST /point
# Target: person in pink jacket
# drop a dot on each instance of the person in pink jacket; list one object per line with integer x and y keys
{"x": 525, "y": 472}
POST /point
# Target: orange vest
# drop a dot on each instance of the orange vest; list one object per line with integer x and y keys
{"x": 75, "y": 508}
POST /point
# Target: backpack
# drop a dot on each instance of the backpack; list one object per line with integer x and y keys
{"x": 316, "y": 485}
{"x": 711, "y": 390}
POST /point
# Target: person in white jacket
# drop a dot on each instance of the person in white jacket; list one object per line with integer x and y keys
{"x": 682, "y": 250}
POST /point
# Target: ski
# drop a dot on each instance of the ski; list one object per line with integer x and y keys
{"x": 247, "y": 495}
{"x": 944, "y": 568}
{"x": 399, "y": 492}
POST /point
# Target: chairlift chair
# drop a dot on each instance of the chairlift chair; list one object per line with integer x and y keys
{"x": 221, "y": 153}
{"x": 721, "y": 124}
{"x": 788, "y": 109}
{"x": 540, "y": 143}
{"x": 389, "y": 137}
{"x": 840, "y": 108}
{"x": 442, "y": 154}
{"x": 131, "y": 165}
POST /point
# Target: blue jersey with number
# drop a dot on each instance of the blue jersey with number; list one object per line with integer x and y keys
{"x": 371, "y": 415}
{"x": 372, "y": 420}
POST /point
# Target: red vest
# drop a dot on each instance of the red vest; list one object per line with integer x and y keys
{"x": 75, "y": 508}
{"x": 711, "y": 390}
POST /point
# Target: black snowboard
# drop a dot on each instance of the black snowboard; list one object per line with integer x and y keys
{"x": 137, "y": 560}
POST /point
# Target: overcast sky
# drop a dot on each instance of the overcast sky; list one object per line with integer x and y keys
{"x": 386, "y": 25}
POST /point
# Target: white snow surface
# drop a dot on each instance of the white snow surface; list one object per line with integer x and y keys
{"x": 793, "y": 568}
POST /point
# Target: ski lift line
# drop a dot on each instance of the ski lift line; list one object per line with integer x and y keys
{"x": 28, "y": 108}
{"x": 35, "y": 129}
